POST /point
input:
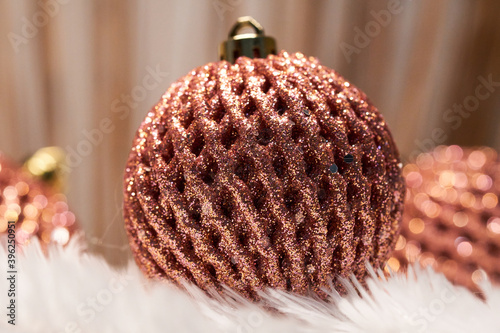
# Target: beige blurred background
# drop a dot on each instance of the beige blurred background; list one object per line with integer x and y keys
{"x": 81, "y": 74}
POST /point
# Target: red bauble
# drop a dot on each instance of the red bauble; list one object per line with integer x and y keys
{"x": 270, "y": 172}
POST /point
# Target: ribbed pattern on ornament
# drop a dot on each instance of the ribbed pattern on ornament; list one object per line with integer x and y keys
{"x": 229, "y": 180}
{"x": 452, "y": 216}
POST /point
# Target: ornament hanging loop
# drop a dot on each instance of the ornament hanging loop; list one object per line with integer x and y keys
{"x": 251, "y": 45}
{"x": 246, "y": 21}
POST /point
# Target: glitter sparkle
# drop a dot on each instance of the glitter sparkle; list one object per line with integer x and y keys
{"x": 228, "y": 181}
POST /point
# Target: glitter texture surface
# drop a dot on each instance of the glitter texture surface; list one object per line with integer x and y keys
{"x": 35, "y": 208}
{"x": 452, "y": 217}
{"x": 229, "y": 182}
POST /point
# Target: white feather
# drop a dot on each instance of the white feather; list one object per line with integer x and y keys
{"x": 72, "y": 291}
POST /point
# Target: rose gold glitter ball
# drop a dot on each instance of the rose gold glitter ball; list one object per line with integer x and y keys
{"x": 35, "y": 208}
{"x": 452, "y": 216}
{"x": 237, "y": 177}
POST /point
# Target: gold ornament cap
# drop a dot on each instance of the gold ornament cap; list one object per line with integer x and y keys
{"x": 47, "y": 164}
{"x": 251, "y": 45}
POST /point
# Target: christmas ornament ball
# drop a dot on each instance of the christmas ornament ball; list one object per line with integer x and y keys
{"x": 30, "y": 208}
{"x": 451, "y": 219}
{"x": 239, "y": 177}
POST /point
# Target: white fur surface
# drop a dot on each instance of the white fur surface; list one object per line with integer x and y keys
{"x": 72, "y": 291}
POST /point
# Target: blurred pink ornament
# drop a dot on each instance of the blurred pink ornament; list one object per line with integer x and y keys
{"x": 35, "y": 206}
{"x": 451, "y": 219}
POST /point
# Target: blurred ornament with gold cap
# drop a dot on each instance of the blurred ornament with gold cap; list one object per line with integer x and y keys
{"x": 31, "y": 197}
